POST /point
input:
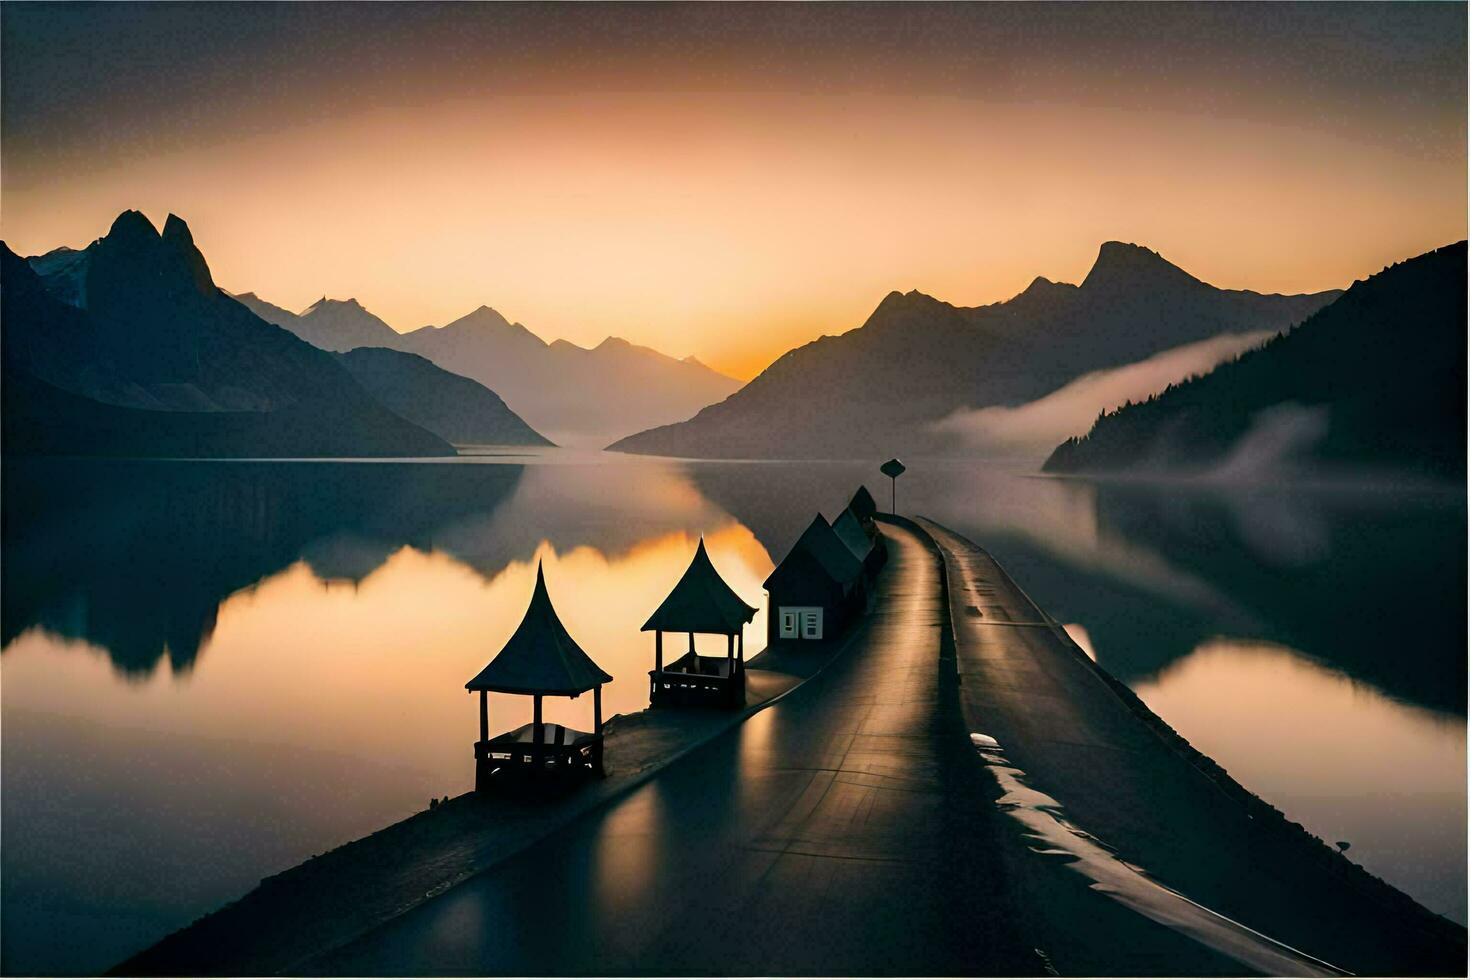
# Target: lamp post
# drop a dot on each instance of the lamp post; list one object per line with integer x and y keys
{"x": 893, "y": 469}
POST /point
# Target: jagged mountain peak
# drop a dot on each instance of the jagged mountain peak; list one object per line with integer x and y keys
{"x": 177, "y": 229}
{"x": 898, "y": 302}
{"x": 324, "y": 303}
{"x": 176, "y": 234}
{"x": 132, "y": 225}
{"x": 1042, "y": 287}
{"x": 1126, "y": 264}
{"x": 133, "y": 243}
{"x": 898, "y": 307}
{"x": 483, "y": 317}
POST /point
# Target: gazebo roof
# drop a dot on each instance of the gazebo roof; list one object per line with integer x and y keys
{"x": 852, "y": 534}
{"x": 823, "y": 544}
{"x": 701, "y": 602}
{"x": 540, "y": 657}
{"x": 863, "y": 505}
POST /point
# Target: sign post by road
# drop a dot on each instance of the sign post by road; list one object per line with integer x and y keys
{"x": 893, "y": 469}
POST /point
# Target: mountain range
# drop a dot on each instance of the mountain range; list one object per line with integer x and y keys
{"x": 458, "y": 409}
{"x": 885, "y": 386}
{"x": 574, "y": 394}
{"x": 127, "y": 347}
{"x": 331, "y": 324}
{"x": 1374, "y": 380}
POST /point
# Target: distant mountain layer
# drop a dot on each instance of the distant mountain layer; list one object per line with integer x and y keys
{"x": 331, "y": 324}
{"x": 1376, "y": 379}
{"x": 569, "y": 392}
{"x": 882, "y": 387}
{"x": 128, "y": 348}
{"x": 458, "y": 409}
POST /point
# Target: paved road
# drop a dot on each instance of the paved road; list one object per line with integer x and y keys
{"x": 1069, "y": 739}
{"x": 852, "y": 829}
{"x": 846, "y": 830}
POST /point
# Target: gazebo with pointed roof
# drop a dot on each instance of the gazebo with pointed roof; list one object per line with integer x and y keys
{"x": 701, "y": 602}
{"x": 540, "y": 659}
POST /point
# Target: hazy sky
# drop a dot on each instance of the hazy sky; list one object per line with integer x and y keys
{"x": 732, "y": 180}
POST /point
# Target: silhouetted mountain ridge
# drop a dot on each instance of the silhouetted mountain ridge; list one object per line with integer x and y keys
{"x": 569, "y": 392}
{"x": 458, "y": 409}
{"x": 917, "y": 359}
{"x": 130, "y": 349}
{"x": 1375, "y": 379}
{"x": 562, "y": 389}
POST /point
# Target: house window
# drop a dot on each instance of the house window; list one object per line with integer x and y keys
{"x": 800, "y": 622}
{"x": 788, "y": 624}
{"x": 811, "y": 624}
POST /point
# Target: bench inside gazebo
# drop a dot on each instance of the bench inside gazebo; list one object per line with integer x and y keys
{"x": 558, "y": 748}
{"x": 701, "y": 602}
{"x": 540, "y": 659}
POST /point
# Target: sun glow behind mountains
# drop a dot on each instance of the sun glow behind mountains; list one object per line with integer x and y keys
{"x": 731, "y": 183}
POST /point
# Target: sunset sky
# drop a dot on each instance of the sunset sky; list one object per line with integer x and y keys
{"x": 730, "y": 181}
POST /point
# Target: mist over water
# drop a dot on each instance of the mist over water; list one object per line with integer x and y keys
{"x": 1039, "y": 425}
{"x": 273, "y": 655}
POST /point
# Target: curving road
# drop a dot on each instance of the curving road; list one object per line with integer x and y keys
{"x": 845, "y": 830}
{"x": 1073, "y": 753}
{"x": 851, "y": 828}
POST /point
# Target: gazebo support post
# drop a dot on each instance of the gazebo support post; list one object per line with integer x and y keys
{"x": 658, "y": 650}
{"x": 484, "y": 716}
{"x": 730, "y": 653}
{"x": 536, "y": 731}
{"x": 597, "y": 730}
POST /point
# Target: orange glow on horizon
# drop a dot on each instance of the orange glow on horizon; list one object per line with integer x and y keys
{"x": 736, "y": 226}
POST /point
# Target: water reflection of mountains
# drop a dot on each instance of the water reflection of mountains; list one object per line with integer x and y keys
{"x": 137, "y": 556}
{"x": 1371, "y": 586}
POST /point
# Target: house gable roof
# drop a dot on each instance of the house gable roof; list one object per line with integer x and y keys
{"x": 852, "y": 534}
{"x": 823, "y": 544}
{"x": 863, "y": 505}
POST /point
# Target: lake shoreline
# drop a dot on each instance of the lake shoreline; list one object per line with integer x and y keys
{"x": 337, "y": 885}
{"x": 322, "y": 903}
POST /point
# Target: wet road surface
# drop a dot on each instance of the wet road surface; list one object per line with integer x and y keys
{"x": 1064, "y": 735}
{"x": 846, "y": 830}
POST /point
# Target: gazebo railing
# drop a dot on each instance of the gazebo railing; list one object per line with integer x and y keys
{"x": 698, "y": 680}
{"x": 562, "y": 751}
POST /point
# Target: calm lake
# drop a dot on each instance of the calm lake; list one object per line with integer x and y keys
{"x": 213, "y": 670}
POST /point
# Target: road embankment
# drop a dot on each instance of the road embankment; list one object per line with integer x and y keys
{"x": 1103, "y": 786}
